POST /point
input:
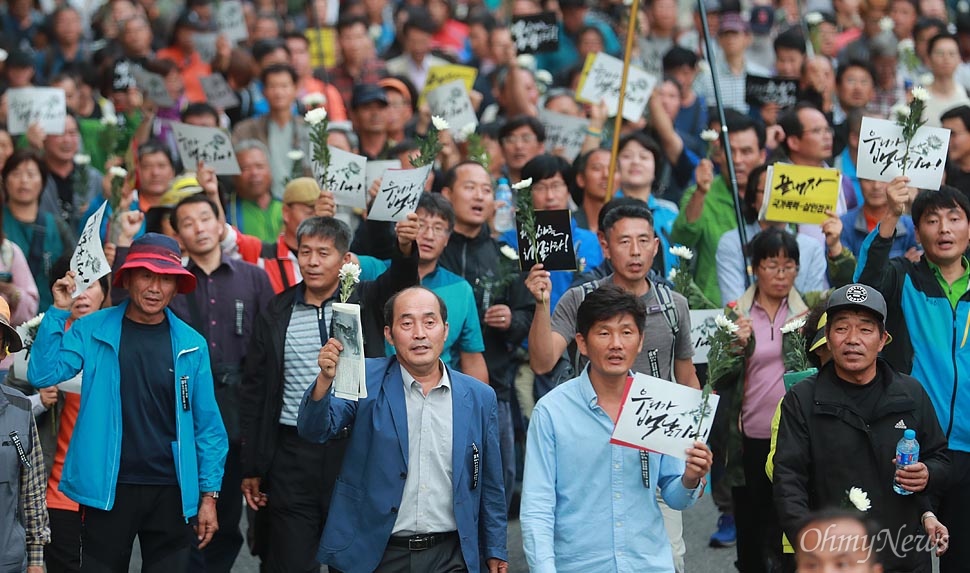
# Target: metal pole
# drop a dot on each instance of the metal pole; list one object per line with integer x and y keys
{"x": 725, "y": 142}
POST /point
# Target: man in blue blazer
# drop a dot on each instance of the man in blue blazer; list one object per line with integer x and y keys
{"x": 421, "y": 485}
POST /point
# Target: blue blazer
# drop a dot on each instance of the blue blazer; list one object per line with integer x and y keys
{"x": 371, "y": 481}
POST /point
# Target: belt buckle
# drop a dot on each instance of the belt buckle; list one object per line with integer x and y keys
{"x": 420, "y": 542}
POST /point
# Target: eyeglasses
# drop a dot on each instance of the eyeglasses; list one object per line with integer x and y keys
{"x": 526, "y": 138}
{"x": 436, "y": 230}
{"x": 552, "y": 186}
{"x": 820, "y": 130}
{"x": 778, "y": 269}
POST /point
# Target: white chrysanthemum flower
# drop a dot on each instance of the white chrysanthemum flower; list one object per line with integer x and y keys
{"x": 886, "y": 24}
{"x": 509, "y": 252}
{"x": 522, "y": 184}
{"x": 682, "y": 252}
{"x": 118, "y": 172}
{"x": 628, "y": 2}
{"x": 814, "y": 18}
{"x": 439, "y": 123}
{"x": 294, "y": 155}
{"x": 109, "y": 120}
{"x": 725, "y": 323}
{"x": 313, "y": 100}
{"x": 860, "y": 499}
{"x": 900, "y": 111}
{"x": 527, "y": 61}
{"x": 793, "y": 326}
{"x": 672, "y": 275}
{"x": 920, "y": 94}
{"x": 467, "y": 131}
{"x": 709, "y": 135}
{"x": 82, "y": 159}
{"x": 906, "y": 45}
{"x": 349, "y": 271}
{"x": 3, "y": 55}
{"x": 315, "y": 116}
{"x": 34, "y": 322}
{"x": 544, "y": 77}
{"x": 925, "y": 79}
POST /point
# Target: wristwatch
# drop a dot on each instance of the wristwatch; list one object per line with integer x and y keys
{"x": 212, "y": 494}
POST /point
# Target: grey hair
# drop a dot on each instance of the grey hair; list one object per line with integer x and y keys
{"x": 251, "y": 144}
{"x": 325, "y": 228}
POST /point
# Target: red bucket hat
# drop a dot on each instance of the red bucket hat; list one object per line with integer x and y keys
{"x": 159, "y": 254}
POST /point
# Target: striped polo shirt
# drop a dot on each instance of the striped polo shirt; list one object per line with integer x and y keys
{"x": 304, "y": 338}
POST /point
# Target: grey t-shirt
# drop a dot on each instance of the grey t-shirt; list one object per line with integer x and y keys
{"x": 657, "y": 334}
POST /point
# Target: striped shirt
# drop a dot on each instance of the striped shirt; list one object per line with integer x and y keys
{"x": 732, "y": 86}
{"x": 304, "y": 338}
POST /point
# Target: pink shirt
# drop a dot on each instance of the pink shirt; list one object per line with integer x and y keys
{"x": 764, "y": 384}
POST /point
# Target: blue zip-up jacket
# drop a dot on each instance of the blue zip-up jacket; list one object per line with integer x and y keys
{"x": 91, "y": 345}
{"x": 930, "y": 338}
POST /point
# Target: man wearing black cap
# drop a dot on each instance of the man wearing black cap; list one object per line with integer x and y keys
{"x": 149, "y": 445}
{"x": 839, "y": 430}
{"x": 368, "y": 112}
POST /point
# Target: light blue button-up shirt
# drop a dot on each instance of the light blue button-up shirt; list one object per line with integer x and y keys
{"x": 584, "y": 505}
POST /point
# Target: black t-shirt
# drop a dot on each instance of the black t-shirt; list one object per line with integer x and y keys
{"x": 65, "y": 192}
{"x": 864, "y": 398}
{"x": 148, "y": 402}
{"x": 956, "y": 177}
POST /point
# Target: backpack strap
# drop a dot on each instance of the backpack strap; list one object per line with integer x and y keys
{"x": 669, "y": 310}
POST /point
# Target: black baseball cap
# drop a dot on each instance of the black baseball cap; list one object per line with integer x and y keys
{"x": 857, "y": 297}
{"x": 367, "y": 93}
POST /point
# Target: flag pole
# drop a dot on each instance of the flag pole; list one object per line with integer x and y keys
{"x": 732, "y": 179}
{"x": 618, "y": 122}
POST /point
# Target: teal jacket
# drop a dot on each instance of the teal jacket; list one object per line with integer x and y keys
{"x": 91, "y": 468}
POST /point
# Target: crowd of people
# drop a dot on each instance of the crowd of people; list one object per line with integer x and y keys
{"x": 195, "y": 384}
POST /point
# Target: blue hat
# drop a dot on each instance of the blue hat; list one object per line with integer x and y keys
{"x": 367, "y": 93}
{"x": 161, "y": 255}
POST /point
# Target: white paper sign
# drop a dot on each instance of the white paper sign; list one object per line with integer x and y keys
{"x": 663, "y": 416}
{"x": 565, "y": 132}
{"x": 701, "y": 325}
{"x": 601, "y": 82}
{"x": 44, "y": 106}
{"x": 209, "y": 145}
{"x": 399, "y": 194}
{"x": 451, "y": 102}
{"x": 882, "y": 149}
{"x": 153, "y": 86}
{"x": 218, "y": 93}
{"x": 205, "y": 44}
{"x": 346, "y": 178}
{"x": 88, "y": 260}
{"x": 376, "y": 169}
{"x": 350, "y": 380}
{"x": 231, "y": 21}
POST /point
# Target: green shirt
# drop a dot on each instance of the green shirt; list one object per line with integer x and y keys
{"x": 953, "y": 291}
{"x": 704, "y": 234}
{"x": 253, "y": 220}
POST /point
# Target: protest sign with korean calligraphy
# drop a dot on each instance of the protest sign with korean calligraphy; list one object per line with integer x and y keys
{"x": 554, "y": 242}
{"x": 399, "y": 194}
{"x": 376, "y": 169}
{"x": 663, "y": 417}
{"x": 231, "y": 20}
{"x": 441, "y": 75}
{"x": 345, "y": 177}
{"x": 702, "y": 325}
{"x": 218, "y": 93}
{"x": 88, "y": 261}
{"x": 882, "y": 149}
{"x": 452, "y": 103}
{"x": 209, "y": 145}
{"x": 535, "y": 34}
{"x": 43, "y": 106}
{"x": 800, "y": 194}
{"x": 205, "y": 45}
{"x": 600, "y": 81}
{"x": 153, "y": 86}
{"x": 564, "y": 133}
{"x": 760, "y": 91}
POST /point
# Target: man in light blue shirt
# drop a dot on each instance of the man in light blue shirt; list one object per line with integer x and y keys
{"x": 589, "y": 505}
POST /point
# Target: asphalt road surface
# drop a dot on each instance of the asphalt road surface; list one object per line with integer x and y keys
{"x": 699, "y": 523}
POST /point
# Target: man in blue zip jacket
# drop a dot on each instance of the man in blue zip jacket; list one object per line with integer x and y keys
{"x": 149, "y": 443}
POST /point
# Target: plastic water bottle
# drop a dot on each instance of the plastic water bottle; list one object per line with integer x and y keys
{"x": 907, "y": 452}
{"x": 505, "y": 213}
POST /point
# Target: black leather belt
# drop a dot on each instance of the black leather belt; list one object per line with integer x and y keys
{"x": 421, "y": 541}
